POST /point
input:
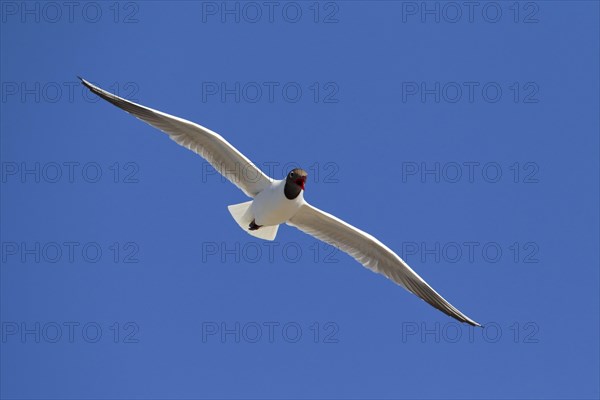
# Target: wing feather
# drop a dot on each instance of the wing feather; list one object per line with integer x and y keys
{"x": 208, "y": 144}
{"x": 371, "y": 253}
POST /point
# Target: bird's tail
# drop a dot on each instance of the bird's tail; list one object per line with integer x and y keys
{"x": 243, "y": 216}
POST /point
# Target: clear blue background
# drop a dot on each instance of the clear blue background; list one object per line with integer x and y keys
{"x": 172, "y": 212}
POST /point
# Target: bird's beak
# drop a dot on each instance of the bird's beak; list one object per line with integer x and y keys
{"x": 301, "y": 181}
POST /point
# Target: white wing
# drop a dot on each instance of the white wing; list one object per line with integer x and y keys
{"x": 210, "y": 145}
{"x": 371, "y": 253}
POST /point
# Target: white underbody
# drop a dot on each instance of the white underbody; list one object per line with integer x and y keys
{"x": 271, "y": 207}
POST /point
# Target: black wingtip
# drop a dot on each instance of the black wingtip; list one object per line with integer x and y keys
{"x": 86, "y": 83}
{"x": 473, "y": 323}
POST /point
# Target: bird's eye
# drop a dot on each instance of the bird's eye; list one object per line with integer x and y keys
{"x": 291, "y": 174}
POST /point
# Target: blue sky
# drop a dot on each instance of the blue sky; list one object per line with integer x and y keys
{"x": 465, "y": 137}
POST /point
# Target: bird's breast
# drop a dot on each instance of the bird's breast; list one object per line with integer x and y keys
{"x": 271, "y": 207}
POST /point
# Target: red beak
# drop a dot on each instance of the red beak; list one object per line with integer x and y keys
{"x": 301, "y": 181}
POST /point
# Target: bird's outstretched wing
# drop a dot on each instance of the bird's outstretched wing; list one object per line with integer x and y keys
{"x": 210, "y": 145}
{"x": 371, "y": 253}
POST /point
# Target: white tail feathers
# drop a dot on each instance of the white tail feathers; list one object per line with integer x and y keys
{"x": 243, "y": 216}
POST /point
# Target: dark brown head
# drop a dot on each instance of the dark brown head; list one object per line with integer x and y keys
{"x": 294, "y": 183}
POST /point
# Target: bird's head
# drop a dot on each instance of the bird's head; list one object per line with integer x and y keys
{"x": 297, "y": 177}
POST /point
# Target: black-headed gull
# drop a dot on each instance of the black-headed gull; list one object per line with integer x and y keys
{"x": 282, "y": 201}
